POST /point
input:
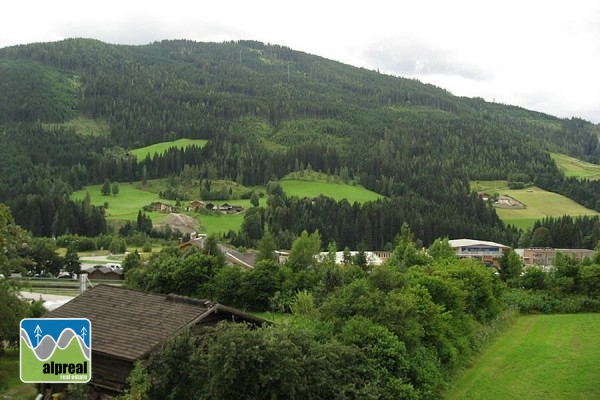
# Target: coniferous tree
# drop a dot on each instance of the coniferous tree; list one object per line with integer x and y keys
{"x": 72, "y": 264}
{"x": 106, "y": 188}
{"x": 115, "y": 188}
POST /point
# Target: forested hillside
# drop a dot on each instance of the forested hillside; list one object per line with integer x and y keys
{"x": 268, "y": 110}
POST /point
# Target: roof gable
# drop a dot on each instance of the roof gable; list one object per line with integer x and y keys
{"x": 454, "y": 243}
{"x": 128, "y": 324}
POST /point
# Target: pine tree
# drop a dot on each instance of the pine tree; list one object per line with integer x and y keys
{"x": 105, "y": 190}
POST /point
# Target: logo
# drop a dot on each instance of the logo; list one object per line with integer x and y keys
{"x": 56, "y": 350}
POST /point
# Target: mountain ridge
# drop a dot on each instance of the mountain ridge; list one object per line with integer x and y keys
{"x": 266, "y": 111}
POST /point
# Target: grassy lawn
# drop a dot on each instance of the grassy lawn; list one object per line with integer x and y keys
{"x": 126, "y": 204}
{"x": 545, "y": 357}
{"x": 577, "y": 168}
{"x": 130, "y": 200}
{"x": 15, "y": 389}
{"x": 313, "y": 184}
{"x": 221, "y": 223}
{"x": 160, "y": 148}
{"x": 539, "y": 202}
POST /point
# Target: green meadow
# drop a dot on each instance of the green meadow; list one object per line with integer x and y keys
{"x": 132, "y": 198}
{"x": 313, "y": 184}
{"x": 125, "y": 205}
{"x": 573, "y": 167}
{"x": 160, "y": 148}
{"x": 541, "y": 357}
{"x": 539, "y": 204}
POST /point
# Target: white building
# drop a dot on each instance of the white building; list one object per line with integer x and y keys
{"x": 488, "y": 252}
{"x": 372, "y": 257}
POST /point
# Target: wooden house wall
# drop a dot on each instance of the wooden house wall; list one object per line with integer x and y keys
{"x": 110, "y": 372}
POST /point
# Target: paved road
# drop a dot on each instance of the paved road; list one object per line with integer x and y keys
{"x": 51, "y": 301}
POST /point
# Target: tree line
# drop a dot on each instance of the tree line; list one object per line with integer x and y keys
{"x": 397, "y": 331}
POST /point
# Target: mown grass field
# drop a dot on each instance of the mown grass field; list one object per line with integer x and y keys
{"x": 132, "y": 197}
{"x": 160, "y": 148}
{"x": 540, "y": 204}
{"x": 541, "y": 357}
{"x": 573, "y": 167}
{"x": 313, "y": 184}
{"x": 126, "y": 204}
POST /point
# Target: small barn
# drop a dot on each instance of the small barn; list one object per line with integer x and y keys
{"x": 161, "y": 207}
{"x": 195, "y": 205}
{"x": 128, "y": 325}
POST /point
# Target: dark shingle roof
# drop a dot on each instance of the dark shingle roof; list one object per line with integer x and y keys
{"x": 235, "y": 257}
{"x": 128, "y": 324}
{"x": 231, "y": 255}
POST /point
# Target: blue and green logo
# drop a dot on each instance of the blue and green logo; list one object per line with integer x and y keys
{"x": 56, "y": 350}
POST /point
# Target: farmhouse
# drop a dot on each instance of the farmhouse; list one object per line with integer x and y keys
{"x": 508, "y": 202}
{"x": 484, "y": 196}
{"x": 161, "y": 207}
{"x": 488, "y": 252}
{"x": 129, "y": 325}
{"x": 544, "y": 256}
{"x": 230, "y": 209}
{"x": 195, "y": 205}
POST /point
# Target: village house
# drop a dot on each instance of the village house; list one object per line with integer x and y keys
{"x": 104, "y": 272}
{"x": 158, "y": 206}
{"x": 484, "y": 196}
{"x": 373, "y": 258}
{"x": 487, "y": 252}
{"x": 544, "y": 256}
{"x": 129, "y": 325}
{"x": 230, "y": 209}
{"x": 195, "y": 205}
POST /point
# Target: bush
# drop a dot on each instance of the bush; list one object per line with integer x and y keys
{"x": 81, "y": 243}
{"x": 543, "y": 302}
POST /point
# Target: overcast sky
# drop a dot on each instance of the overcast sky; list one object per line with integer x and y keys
{"x": 541, "y": 55}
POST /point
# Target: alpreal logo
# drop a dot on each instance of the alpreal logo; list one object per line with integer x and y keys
{"x": 56, "y": 350}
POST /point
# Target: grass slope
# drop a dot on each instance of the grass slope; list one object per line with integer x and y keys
{"x": 160, "y": 148}
{"x": 126, "y": 204}
{"x": 573, "y": 167}
{"x": 545, "y": 357}
{"x": 131, "y": 198}
{"x": 313, "y": 184}
{"x": 540, "y": 204}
